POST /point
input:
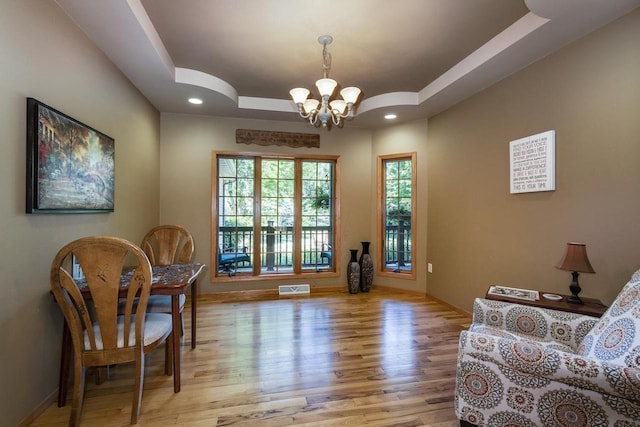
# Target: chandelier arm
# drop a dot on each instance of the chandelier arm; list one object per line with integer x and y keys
{"x": 313, "y": 117}
{"x": 335, "y": 118}
{"x": 340, "y": 115}
{"x": 349, "y": 110}
{"x": 307, "y": 115}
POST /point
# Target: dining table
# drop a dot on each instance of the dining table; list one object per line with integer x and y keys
{"x": 173, "y": 280}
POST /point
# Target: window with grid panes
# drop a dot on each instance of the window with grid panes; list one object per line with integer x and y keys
{"x": 396, "y": 220}
{"x": 274, "y": 216}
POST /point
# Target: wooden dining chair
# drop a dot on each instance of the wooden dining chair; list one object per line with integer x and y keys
{"x": 168, "y": 244}
{"x": 99, "y": 335}
{"x": 165, "y": 245}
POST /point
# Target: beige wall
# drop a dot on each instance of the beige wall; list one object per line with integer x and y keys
{"x": 45, "y": 56}
{"x": 406, "y": 138}
{"x": 479, "y": 234}
{"x": 187, "y": 144}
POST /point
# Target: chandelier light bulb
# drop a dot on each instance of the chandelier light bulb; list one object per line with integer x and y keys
{"x": 310, "y": 105}
{"x": 350, "y": 94}
{"x": 326, "y": 86}
{"x": 338, "y": 105}
{"x": 299, "y": 94}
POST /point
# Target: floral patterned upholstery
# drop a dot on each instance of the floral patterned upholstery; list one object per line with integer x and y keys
{"x": 616, "y": 337}
{"x": 526, "y": 366}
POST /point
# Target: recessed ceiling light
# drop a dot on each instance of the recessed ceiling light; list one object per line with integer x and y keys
{"x": 390, "y": 116}
{"x": 196, "y": 101}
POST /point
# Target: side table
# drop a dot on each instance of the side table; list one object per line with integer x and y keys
{"x": 591, "y": 307}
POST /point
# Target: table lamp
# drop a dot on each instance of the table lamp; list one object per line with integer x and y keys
{"x": 575, "y": 261}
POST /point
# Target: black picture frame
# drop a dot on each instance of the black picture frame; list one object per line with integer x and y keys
{"x": 70, "y": 166}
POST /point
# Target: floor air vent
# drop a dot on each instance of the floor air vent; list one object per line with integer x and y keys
{"x": 293, "y": 289}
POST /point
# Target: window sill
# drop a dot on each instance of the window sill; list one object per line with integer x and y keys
{"x": 276, "y": 276}
{"x": 406, "y": 275}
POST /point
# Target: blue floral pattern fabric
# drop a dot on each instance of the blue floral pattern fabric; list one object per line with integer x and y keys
{"x": 526, "y": 366}
{"x": 616, "y": 337}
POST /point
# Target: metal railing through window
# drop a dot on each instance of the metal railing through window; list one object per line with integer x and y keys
{"x": 277, "y": 246}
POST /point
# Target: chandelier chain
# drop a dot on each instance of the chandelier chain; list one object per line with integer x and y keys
{"x": 326, "y": 61}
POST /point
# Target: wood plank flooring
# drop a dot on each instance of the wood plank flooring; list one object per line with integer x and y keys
{"x": 329, "y": 359}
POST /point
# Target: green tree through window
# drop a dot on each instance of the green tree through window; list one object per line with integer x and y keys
{"x": 397, "y": 218}
{"x": 274, "y": 215}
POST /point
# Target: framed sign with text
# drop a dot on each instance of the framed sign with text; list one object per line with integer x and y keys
{"x": 532, "y": 162}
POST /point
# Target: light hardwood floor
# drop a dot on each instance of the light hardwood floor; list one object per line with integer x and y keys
{"x": 330, "y": 359}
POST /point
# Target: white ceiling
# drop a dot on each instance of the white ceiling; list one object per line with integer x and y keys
{"x": 412, "y": 57}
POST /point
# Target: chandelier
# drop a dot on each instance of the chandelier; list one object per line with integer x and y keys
{"x": 325, "y": 112}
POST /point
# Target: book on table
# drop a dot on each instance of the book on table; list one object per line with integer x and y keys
{"x": 517, "y": 293}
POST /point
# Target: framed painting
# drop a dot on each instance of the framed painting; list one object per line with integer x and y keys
{"x": 70, "y": 166}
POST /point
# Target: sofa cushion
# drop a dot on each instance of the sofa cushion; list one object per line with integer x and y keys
{"x": 616, "y": 336}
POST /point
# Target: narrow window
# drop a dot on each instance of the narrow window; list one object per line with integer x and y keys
{"x": 235, "y": 219}
{"x": 396, "y": 220}
{"x": 277, "y": 215}
{"x": 317, "y": 215}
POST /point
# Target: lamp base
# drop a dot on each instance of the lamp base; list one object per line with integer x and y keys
{"x": 574, "y": 287}
{"x": 574, "y": 299}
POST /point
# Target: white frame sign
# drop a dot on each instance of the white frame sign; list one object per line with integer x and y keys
{"x": 532, "y": 162}
{"x": 517, "y": 293}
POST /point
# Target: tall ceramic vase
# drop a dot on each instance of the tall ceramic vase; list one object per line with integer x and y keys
{"x": 353, "y": 272}
{"x": 366, "y": 268}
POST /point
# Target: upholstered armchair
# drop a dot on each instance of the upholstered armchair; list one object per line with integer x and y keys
{"x": 526, "y": 366}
